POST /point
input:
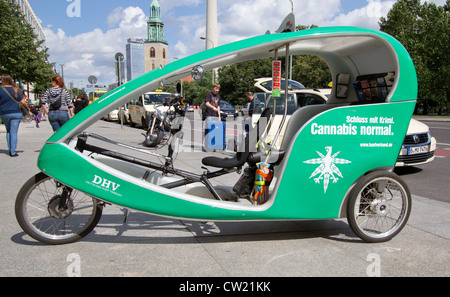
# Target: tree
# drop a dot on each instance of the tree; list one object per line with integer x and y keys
{"x": 21, "y": 54}
{"x": 310, "y": 70}
{"x": 424, "y": 30}
{"x": 237, "y": 79}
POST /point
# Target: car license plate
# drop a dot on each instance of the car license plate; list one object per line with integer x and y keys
{"x": 418, "y": 150}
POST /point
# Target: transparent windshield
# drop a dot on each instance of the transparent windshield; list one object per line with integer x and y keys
{"x": 260, "y": 103}
{"x": 155, "y": 98}
{"x": 99, "y": 94}
{"x": 225, "y": 104}
{"x": 292, "y": 85}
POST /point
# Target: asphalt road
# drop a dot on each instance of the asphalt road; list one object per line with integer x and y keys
{"x": 432, "y": 180}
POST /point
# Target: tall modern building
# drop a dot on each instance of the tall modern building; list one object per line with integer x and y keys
{"x": 146, "y": 55}
{"x": 135, "y": 58}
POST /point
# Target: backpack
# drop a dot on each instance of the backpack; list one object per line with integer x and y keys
{"x": 57, "y": 104}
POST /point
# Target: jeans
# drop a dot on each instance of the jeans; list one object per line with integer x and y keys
{"x": 12, "y": 122}
{"x": 57, "y": 118}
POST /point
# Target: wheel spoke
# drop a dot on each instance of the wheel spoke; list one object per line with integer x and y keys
{"x": 40, "y": 215}
{"x": 380, "y": 205}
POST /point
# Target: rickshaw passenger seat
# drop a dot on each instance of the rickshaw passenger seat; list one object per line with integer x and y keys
{"x": 298, "y": 119}
{"x": 241, "y": 157}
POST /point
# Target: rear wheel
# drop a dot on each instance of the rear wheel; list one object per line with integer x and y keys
{"x": 53, "y": 213}
{"x": 379, "y": 206}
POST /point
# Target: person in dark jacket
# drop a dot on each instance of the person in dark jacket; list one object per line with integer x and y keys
{"x": 80, "y": 102}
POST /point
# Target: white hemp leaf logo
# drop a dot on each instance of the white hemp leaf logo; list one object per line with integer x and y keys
{"x": 327, "y": 168}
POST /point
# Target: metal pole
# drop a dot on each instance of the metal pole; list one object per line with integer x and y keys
{"x": 286, "y": 88}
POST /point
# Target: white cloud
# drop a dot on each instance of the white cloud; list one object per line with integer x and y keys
{"x": 115, "y": 17}
{"x": 181, "y": 48}
{"x": 92, "y": 53}
{"x": 242, "y": 19}
{"x": 168, "y": 5}
{"x": 367, "y": 17}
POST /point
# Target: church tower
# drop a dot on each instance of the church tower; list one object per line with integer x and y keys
{"x": 155, "y": 25}
{"x": 156, "y": 48}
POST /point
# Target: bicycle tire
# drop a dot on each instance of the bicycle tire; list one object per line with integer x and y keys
{"x": 37, "y": 211}
{"x": 379, "y": 206}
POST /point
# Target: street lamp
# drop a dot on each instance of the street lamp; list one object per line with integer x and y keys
{"x": 214, "y": 74}
{"x": 62, "y": 71}
{"x": 208, "y": 40}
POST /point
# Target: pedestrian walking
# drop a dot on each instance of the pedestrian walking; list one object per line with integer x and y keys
{"x": 80, "y": 102}
{"x": 42, "y": 110}
{"x": 35, "y": 109}
{"x": 10, "y": 113}
{"x": 60, "y": 108}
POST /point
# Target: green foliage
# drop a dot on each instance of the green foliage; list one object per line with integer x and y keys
{"x": 237, "y": 79}
{"x": 311, "y": 71}
{"x": 21, "y": 54}
{"x": 424, "y": 30}
{"x": 196, "y": 91}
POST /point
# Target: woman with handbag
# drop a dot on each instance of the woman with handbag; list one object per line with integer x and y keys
{"x": 10, "y": 99}
{"x": 60, "y": 108}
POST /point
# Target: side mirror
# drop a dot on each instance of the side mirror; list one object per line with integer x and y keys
{"x": 197, "y": 72}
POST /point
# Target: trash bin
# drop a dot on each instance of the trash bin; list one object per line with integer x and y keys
{"x": 214, "y": 135}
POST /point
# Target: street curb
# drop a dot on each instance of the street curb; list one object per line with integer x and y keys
{"x": 432, "y": 119}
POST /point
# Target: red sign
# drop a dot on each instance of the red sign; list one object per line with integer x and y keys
{"x": 276, "y": 78}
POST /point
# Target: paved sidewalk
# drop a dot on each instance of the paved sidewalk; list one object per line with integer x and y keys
{"x": 153, "y": 246}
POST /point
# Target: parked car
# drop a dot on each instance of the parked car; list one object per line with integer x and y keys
{"x": 143, "y": 107}
{"x": 123, "y": 111}
{"x": 418, "y": 147}
{"x": 298, "y": 97}
{"x": 265, "y": 84}
{"x": 228, "y": 109}
{"x": 112, "y": 116}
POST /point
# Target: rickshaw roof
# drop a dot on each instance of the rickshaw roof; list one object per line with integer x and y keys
{"x": 345, "y": 49}
{"x": 358, "y": 51}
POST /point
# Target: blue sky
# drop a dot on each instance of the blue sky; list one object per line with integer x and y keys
{"x": 86, "y": 43}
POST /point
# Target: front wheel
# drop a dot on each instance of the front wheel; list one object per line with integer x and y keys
{"x": 53, "y": 213}
{"x": 379, "y": 206}
{"x": 153, "y": 138}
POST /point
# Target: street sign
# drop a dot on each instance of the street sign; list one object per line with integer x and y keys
{"x": 119, "y": 57}
{"x": 92, "y": 79}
